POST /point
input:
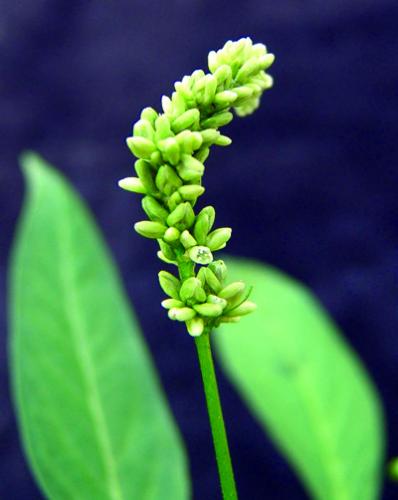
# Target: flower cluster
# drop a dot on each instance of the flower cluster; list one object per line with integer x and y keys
{"x": 171, "y": 148}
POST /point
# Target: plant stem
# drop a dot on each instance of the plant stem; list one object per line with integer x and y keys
{"x": 214, "y": 409}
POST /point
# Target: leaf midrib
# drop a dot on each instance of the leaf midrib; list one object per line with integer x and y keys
{"x": 79, "y": 335}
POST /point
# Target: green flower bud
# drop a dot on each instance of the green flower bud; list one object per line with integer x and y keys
{"x": 195, "y": 327}
{"x": 200, "y": 255}
{"x": 202, "y": 275}
{"x": 191, "y": 288}
{"x": 249, "y": 68}
{"x": 162, "y": 128}
{"x": 181, "y": 314}
{"x": 266, "y": 61}
{"x": 179, "y": 105}
{"x": 212, "y": 61}
{"x": 208, "y": 310}
{"x": 189, "y": 141}
{"x": 213, "y": 299}
{"x": 149, "y": 114}
{"x": 243, "y": 92}
{"x": 182, "y": 89}
{"x": 182, "y": 216}
{"x": 186, "y": 120}
{"x": 231, "y": 290}
{"x": 210, "y": 90}
{"x": 211, "y": 279}
{"x": 190, "y": 169}
{"x": 167, "y": 181}
{"x": 239, "y": 298}
{"x": 156, "y": 159}
{"x": 140, "y": 147}
{"x": 167, "y": 250}
{"x": 170, "y": 150}
{"x": 202, "y": 154}
{"x": 204, "y": 223}
{"x": 154, "y": 209}
{"x": 174, "y": 200}
{"x": 169, "y": 303}
{"x": 218, "y": 238}
{"x": 191, "y": 192}
{"x": 132, "y": 184}
{"x": 167, "y": 105}
{"x": 171, "y": 235}
{"x": 245, "y": 308}
{"x": 218, "y": 120}
{"x": 223, "y": 74}
{"x": 187, "y": 240}
{"x": 163, "y": 258}
{"x": 169, "y": 284}
{"x": 210, "y": 135}
{"x": 225, "y": 98}
{"x": 144, "y": 172}
{"x": 143, "y": 128}
{"x": 219, "y": 269}
{"x": 149, "y": 229}
{"x": 223, "y": 140}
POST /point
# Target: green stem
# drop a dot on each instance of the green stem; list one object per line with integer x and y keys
{"x": 214, "y": 409}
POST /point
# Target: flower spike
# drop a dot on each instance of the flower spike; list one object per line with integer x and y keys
{"x": 171, "y": 148}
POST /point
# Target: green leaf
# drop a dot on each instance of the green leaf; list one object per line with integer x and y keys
{"x": 305, "y": 386}
{"x": 94, "y": 420}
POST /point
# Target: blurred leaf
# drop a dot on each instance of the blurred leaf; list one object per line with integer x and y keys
{"x": 305, "y": 385}
{"x": 94, "y": 420}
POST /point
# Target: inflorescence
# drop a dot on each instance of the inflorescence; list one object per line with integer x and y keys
{"x": 171, "y": 148}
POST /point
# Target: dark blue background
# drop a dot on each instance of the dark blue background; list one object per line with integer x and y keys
{"x": 309, "y": 185}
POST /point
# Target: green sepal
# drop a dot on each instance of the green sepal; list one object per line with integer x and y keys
{"x": 195, "y": 326}
{"x": 181, "y": 314}
{"x": 170, "y": 150}
{"x": 149, "y": 114}
{"x": 162, "y": 128}
{"x": 219, "y": 269}
{"x": 208, "y": 310}
{"x": 132, "y": 184}
{"x": 167, "y": 250}
{"x": 218, "y": 120}
{"x": 171, "y": 235}
{"x": 214, "y": 299}
{"x": 211, "y": 279}
{"x": 218, "y": 238}
{"x": 140, "y": 147}
{"x": 191, "y": 192}
{"x": 187, "y": 240}
{"x": 167, "y": 181}
{"x": 186, "y": 120}
{"x": 169, "y": 303}
{"x": 245, "y": 308}
{"x": 150, "y": 229}
{"x": 154, "y": 209}
{"x": 143, "y": 128}
{"x": 204, "y": 223}
{"x": 231, "y": 290}
{"x": 144, "y": 172}
{"x": 169, "y": 284}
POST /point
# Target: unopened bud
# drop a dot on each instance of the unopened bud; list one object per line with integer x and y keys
{"x": 132, "y": 184}
{"x": 219, "y": 269}
{"x": 143, "y": 128}
{"x": 231, "y": 290}
{"x": 195, "y": 326}
{"x": 167, "y": 181}
{"x": 191, "y": 192}
{"x": 169, "y": 303}
{"x": 245, "y": 308}
{"x": 154, "y": 209}
{"x": 140, "y": 147}
{"x": 144, "y": 172}
{"x": 208, "y": 310}
{"x": 169, "y": 284}
{"x": 150, "y": 229}
{"x": 186, "y": 120}
{"x": 172, "y": 234}
{"x": 162, "y": 128}
{"x": 213, "y": 299}
{"x": 170, "y": 150}
{"x": 218, "y": 238}
{"x": 181, "y": 314}
{"x": 212, "y": 280}
{"x": 218, "y": 120}
{"x": 187, "y": 240}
